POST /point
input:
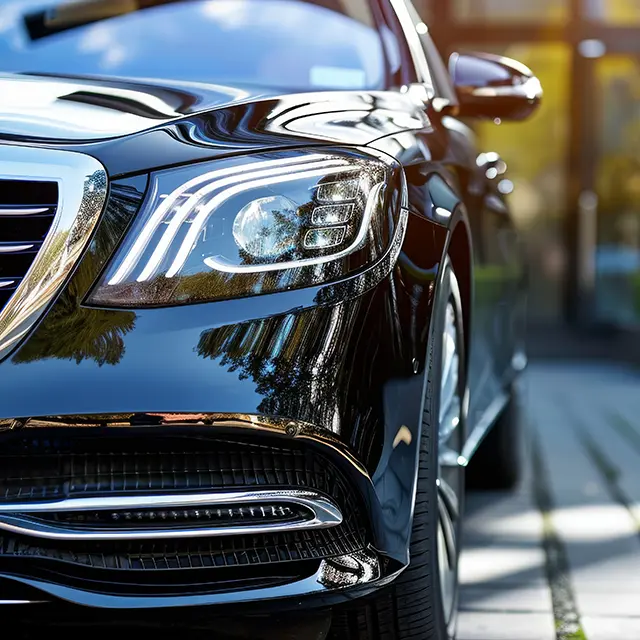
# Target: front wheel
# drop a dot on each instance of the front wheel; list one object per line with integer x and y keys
{"x": 422, "y": 603}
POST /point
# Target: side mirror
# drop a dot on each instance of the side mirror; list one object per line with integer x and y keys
{"x": 490, "y": 86}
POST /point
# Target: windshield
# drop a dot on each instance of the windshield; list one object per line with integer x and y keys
{"x": 288, "y": 44}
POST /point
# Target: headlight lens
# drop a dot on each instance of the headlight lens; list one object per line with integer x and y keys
{"x": 252, "y": 225}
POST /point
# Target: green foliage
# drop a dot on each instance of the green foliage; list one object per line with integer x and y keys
{"x": 70, "y": 334}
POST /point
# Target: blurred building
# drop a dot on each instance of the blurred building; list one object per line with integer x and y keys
{"x": 575, "y": 166}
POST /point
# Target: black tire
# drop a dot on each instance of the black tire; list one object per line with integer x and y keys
{"x": 496, "y": 465}
{"x": 411, "y": 607}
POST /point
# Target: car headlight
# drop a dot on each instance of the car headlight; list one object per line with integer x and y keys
{"x": 254, "y": 224}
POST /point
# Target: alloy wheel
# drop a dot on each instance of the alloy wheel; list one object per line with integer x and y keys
{"x": 450, "y": 473}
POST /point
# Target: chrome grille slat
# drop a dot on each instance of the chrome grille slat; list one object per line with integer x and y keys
{"x": 50, "y": 201}
{"x": 21, "y": 203}
{"x": 35, "y": 519}
{"x": 27, "y": 211}
{"x": 16, "y": 247}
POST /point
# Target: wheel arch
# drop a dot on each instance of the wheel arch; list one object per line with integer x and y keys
{"x": 459, "y": 248}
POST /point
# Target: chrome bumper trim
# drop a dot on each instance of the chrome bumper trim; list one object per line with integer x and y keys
{"x": 361, "y": 571}
{"x": 21, "y": 518}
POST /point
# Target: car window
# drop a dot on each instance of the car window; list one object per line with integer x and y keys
{"x": 288, "y": 44}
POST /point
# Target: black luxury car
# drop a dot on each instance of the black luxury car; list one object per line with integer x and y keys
{"x": 261, "y": 306}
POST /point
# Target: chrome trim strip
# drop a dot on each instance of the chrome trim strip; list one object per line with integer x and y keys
{"x": 82, "y": 184}
{"x": 15, "y": 247}
{"x": 361, "y": 570}
{"x": 22, "y": 518}
{"x": 12, "y": 602}
{"x": 6, "y": 283}
{"x": 416, "y": 49}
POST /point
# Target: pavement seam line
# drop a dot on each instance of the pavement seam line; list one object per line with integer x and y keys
{"x": 608, "y": 471}
{"x": 625, "y": 429}
{"x": 565, "y": 611}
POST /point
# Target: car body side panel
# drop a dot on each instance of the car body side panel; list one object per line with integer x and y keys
{"x": 498, "y": 300}
{"x": 447, "y": 186}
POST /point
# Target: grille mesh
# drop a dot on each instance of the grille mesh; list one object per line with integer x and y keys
{"x": 229, "y": 551}
{"x": 42, "y": 468}
{"x": 27, "y": 209}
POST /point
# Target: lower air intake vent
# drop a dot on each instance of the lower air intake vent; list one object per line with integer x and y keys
{"x": 54, "y": 466}
{"x": 204, "y": 517}
{"x": 288, "y": 509}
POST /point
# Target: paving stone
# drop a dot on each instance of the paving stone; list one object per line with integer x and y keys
{"x": 502, "y": 565}
{"x": 509, "y": 598}
{"x": 609, "y": 603}
{"x": 504, "y": 591}
{"x": 610, "y": 628}
{"x": 505, "y": 626}
{"x": 598, "y": 532}
{"x": 504, "y": 521}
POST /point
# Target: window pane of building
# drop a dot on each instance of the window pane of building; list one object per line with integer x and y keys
{"x": 617, "y": 12}
{"x": 535, "y": 153}
{"x": 617, "y": 258}
{"x": 511, "y": 10}
{"x": 425, "y": 8}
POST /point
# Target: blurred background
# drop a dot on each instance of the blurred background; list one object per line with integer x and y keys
{"x": 561, "y": 557}
{"x": 575, "y": 167}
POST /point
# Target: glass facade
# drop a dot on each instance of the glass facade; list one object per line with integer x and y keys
{"x": 510, "y": 10}
{"x": 535, "y": 153}
{"x": 618, "y": 189}
{"x": 616, "y": 12}
{"x": 575, "y": 166}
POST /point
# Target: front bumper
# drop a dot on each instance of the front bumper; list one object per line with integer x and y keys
{"x": 54, "y": 464}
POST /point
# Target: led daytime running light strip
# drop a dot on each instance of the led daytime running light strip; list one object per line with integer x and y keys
{"x": 240, "y": 173}
{"x": 185, "y": 209}
{"x": 201, "y": 220}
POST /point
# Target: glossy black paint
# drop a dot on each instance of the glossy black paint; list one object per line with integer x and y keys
{"x": 491, "y": 86}
{"x": 85, "y": 109}
{"x": 346, "y": 359}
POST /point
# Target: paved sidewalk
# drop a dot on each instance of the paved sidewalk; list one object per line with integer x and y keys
{"x": 560, "y": 558}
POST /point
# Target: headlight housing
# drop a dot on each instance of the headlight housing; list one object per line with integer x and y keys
{"x": 254, "y": 224}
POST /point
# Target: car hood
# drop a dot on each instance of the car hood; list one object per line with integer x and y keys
{"x": 73, "y": 108}
{"x": 134, "y": 125}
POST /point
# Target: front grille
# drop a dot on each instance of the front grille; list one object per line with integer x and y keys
{"x": 41, "y": 468}
{"x": 97, "y": 462}
{"x": 27, "y": 209}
